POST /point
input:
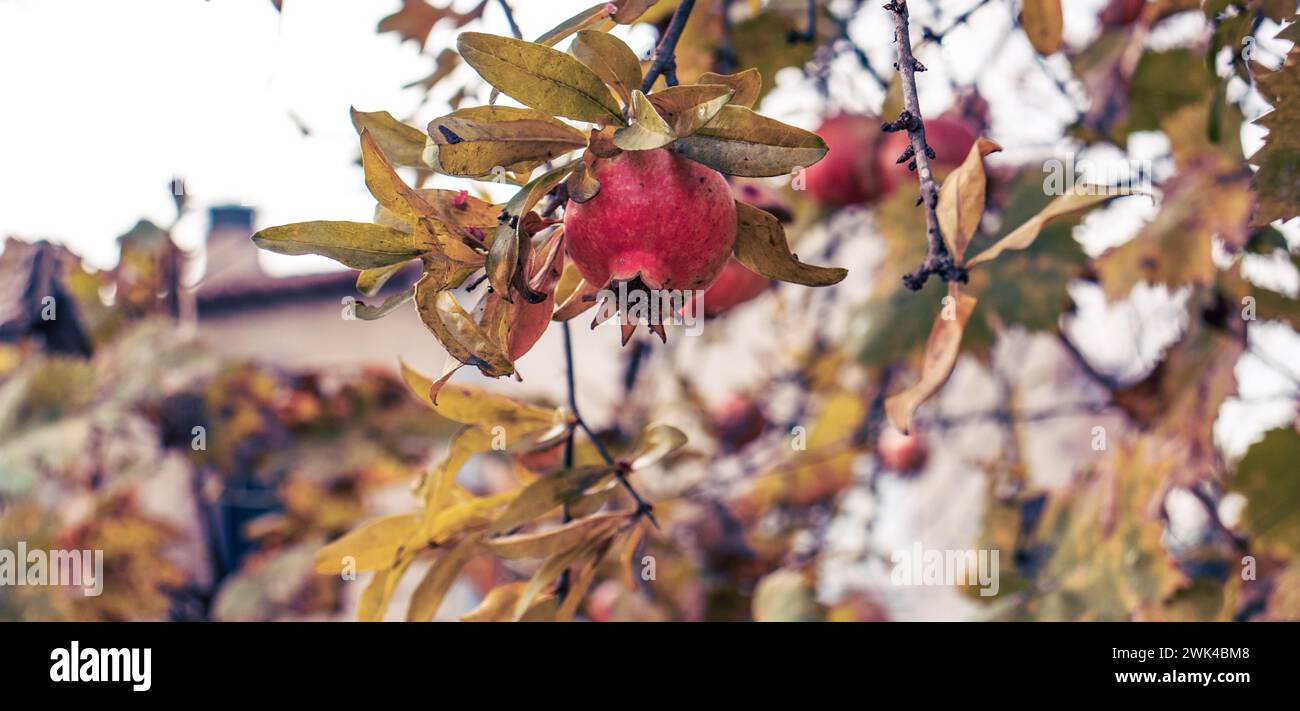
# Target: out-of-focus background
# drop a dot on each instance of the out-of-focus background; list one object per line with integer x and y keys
{"x": 206, "y": 413}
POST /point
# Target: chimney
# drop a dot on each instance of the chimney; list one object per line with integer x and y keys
{"x": 231, "y": 255}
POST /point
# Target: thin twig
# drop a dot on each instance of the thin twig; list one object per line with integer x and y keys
{"x": 621, "y": 470}
{"x": 937, "y": 260}
{"x": 665, "y": 56}
{"x": 510, "y": 17}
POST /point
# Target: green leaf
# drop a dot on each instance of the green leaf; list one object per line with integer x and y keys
{"x": 647, "y": 131}
{"x": 548, "y": 493}
{"x": 402, "y": 144}
{"x": 611, "y": 60}
{"x": 359, "y": 245}
{"x": 1266, "y": 477}
{"x": 762, "y": 247}
{"x": 486, "y": 140}
{"x": 740, "y": 142}
{"x": 746, "y": 85}
{"x": 540, "y": 77}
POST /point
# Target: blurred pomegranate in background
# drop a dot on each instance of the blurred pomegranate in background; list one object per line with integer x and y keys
{"x": 900, "y": 453}
{"x": 850, "y": 172}
{"x": 1119, "y": 13}
{"x": 950, "y": 136}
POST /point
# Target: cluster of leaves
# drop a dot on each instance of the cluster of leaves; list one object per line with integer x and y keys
{"x": 520, "y": 250}
{"x": 560, "y": 519}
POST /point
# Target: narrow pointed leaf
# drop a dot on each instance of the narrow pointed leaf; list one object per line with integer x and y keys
{"x": 359, "y": 245}
{"x": 428, "y": 595}
{"x": 740, "y": 142}
{"x": 1068, "y": 204}
{"x": 611, "y": 59}
{"x": 370, "y": 546}
{"x": 656, "y": 442}
{"x": 940, "y": 356}
{"x": 487, "y": 140}
{"x": 961, "y": 199}
{"x": 402, "y": 144}
{"x": 548, "y": 493}
{"x": 540, "y": 77}
{"x": 553, "y": 541}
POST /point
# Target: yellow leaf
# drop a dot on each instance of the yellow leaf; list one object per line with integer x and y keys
{"x": 961, "y": 199}
{"x": 762, "y": 247}
{"x": 540, "y": 77}
{"x": 553, "y": 541}
{"x": 740, "y": 142}
{"x": 359, "y": 245}
{"x": 428, "y": 595}
{"x": 611, "y": 60}
{"x": 655, "y": 443}
{"x": 548, "y": 493}
{"x": 370, "y": 546}
{"x": 687, "y": 109}
{"x": 463, "y": 338}
{"x": 1043, "y": 24}
{"x": 747, "y": 85}
{"x": 488, "y": 140}
{"x": 1024, "y": 235}
{"x": 551, "y": 570}
{"x": 499, "y": 604}
{"x": 591, "y": 16}
{"x": 647, "y": 131}
{"x": 578, "y": 587}
{"x": 370, "y": 281}
{"x": 477, "y": 512}
{"x": 627, "y": 558}
{"x": 389, "y": 190}
{"x": 472, "y": 405}
{"x": 940, "y": 356}
{"x": 402, "y": 144}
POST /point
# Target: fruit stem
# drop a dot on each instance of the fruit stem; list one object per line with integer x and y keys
{"x": 665, "y": 57}
{"x": 937, "y": 260}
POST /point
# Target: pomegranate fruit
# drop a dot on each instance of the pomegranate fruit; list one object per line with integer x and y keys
{"x": 738, "y": 421}
{"x": 1119, "y": 13}
{"x": 659, "y": 218}
{"x": 849, "y": 174}
{"x": 900, "y": 452}
{"x": 734, "y": 286}
{"x": 949, "y": 136}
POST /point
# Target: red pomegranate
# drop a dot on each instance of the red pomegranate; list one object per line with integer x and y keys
{"x": 849, "y": 174}
{"x": 660, "y": 218}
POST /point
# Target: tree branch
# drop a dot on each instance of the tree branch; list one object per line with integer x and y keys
{"x": 621, "y": 470}
{"x": 937, "y": 260}
{"x": 665, "y": 57}
{"x": 510, "y": 18}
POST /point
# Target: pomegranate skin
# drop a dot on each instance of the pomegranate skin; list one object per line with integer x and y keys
{"x": 949, "y": 136}
{"x": 734, "y": 286}
{"x": 659, "y": 216}
{"x": 849, "y": 173}
{"x": 1119, "y": 13}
